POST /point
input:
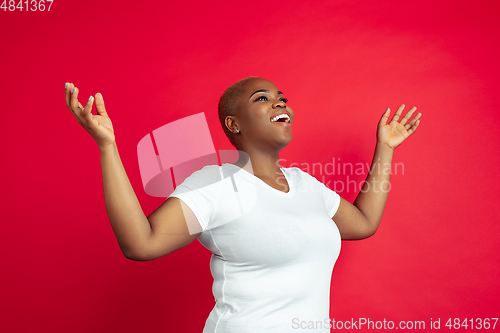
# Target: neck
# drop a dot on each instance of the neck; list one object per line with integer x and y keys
{"x": 262, "y": 165}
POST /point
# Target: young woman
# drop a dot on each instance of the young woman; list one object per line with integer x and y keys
{"x": 274, "y": 232}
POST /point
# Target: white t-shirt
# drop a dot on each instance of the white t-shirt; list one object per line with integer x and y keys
{"x": 273, "y": 252}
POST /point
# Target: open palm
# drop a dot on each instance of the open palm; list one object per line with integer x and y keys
{"x": 398, "y": 129}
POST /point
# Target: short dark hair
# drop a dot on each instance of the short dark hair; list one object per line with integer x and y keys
{"x": 228, "y": 104}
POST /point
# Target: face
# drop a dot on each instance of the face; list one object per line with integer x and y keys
{"x": 263, "y": 118}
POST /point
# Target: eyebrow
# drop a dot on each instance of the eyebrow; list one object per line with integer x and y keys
{"x": 266, "y": 91}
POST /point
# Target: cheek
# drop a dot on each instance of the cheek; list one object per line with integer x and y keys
{"x": 255, "y": 117}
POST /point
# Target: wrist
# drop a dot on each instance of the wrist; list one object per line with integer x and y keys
{"x": 384, "y": 147}
{"x": 109, "y": 147}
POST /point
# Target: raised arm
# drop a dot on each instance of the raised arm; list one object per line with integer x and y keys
{"x": 139, "y": 237}
{"x": 361, "y": 219}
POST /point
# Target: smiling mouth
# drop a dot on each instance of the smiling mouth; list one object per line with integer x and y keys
{"x": 281, "y": 118}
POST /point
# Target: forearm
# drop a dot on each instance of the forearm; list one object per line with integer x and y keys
{"x": 362, "y": 218}
{"x": 130, "y": 225}
{"x": 372, "y": 199}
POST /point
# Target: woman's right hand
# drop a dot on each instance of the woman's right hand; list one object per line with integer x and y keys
{"x": 99, "y": 126}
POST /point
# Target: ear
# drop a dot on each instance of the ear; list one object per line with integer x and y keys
{"x": 230, "y": 123}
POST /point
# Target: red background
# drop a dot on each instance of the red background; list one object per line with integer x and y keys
{"x": 340, "y": 63}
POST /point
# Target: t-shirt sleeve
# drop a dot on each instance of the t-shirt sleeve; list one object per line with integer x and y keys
{"x": 332, "y": 200}
{"x": 200, "y": 192}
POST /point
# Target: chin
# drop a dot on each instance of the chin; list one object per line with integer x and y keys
{"x": 285, "y": 141}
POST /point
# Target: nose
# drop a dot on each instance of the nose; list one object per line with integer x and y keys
{"x": 280, "y": 104}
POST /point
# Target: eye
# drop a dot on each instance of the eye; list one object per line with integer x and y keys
{"x": 284, "y": 100}
{"x": 261, "y": 98}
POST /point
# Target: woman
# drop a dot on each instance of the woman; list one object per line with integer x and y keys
{"x": 274, "y": 232}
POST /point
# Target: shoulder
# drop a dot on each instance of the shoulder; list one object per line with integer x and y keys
{"x": 206, "y": 171}
{"x": 208, "y": 175}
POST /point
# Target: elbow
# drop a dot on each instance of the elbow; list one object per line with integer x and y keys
{"x": 142, "y": 253}
{"x": 359, "y": 235}
{"x": 371, "y": 229}
{"x": 363, "y": 231}
{"x": 370, "y": 233}
{"x": 133, "y": 257}
{"x": 137, "y": 257}
{"x": 135, "y": 254}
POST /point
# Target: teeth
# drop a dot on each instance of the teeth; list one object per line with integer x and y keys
{"x": 283, "y": 115}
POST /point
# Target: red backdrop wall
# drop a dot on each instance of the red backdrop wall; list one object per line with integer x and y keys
{"x": 340, "y": 63}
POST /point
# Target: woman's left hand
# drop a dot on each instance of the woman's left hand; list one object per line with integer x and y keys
{"x": 397, "y": 130}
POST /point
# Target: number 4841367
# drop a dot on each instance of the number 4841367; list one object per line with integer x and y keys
{"x": 27, "y": 5}
{"x": 473, "y": 323}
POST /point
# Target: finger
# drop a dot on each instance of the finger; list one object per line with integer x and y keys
{"x": 398, "y": 113}
{"x": 99, "y": 105}
{"x": 87, "y": 111}
{"x": 412, "y": 122}
{"x": 414, "y": 127}
{"x": 67, "y": 94}
{"x": 74, "y": 99}
{"x": 384, "y": 118}
{"x": 68, "y": 88}
{"x": 408, "y": 115}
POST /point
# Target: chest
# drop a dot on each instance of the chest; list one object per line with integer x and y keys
{"x": 277, "y": 231}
